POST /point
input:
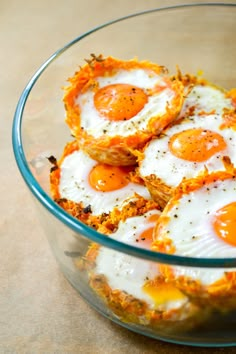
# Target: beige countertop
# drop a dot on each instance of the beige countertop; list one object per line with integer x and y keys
{"x": 39, "y": 310}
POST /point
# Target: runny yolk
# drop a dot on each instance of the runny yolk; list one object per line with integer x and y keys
{"x": 119, "y": 101}
{"x": 106, "y": 178}
{"x": 196, "y": 144}
{"x": 224, "y": 223}
{"x": 162, "y": 293}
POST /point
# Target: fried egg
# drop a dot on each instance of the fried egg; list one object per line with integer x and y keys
{"x": 136, "y": 280}
{"x": 101, "y": 187}
{"x": 198, "y": 140}
{"x": 122, "y": 104}
{"x": 200, "y": 221}
{"x": 113, "y": 106}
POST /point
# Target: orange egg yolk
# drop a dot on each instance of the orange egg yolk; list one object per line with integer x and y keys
{"x": 106, "y": 178}
{"x": 119, "y": 101}
{"x": 224, "y": 223}
{"x": 146, "y": 236}
{"x": 153, "y": 217}
{"x": 196, "y": 145}
{"x": 162, "y": 293}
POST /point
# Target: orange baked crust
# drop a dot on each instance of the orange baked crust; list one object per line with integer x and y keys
{"x": 116, "y": 149}
{"x": 78, "y": 210}
{"x": 136, "y": 206}
{"x": 55, "y": 170}
{"x": 162, "y": 242}
{"x": 104, "y": 223}
{"x": 131, "y": 309}
{"x": 229, "y": 114}
{"x": 220, "y": 292}
{"x": 160, "y": 191}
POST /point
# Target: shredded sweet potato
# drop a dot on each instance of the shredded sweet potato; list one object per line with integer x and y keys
{"x": 117, "y": 149}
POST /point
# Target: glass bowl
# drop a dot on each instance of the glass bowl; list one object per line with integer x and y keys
{"x": 196, "y": 37}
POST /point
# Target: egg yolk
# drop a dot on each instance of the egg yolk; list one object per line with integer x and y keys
{"x": 162, "y": 293}
{"x": 106, "y": 178}
{"x": 119, "y": 101}
{"x": 224, "y": 223}
{"x": 153, "y": 217}
{"x": 196, "y": 145}
{"x": 146, "y": 237}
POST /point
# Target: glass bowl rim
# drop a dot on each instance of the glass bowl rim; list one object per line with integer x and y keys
{"x": 62, "y": 215}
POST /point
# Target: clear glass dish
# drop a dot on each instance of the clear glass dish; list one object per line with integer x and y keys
{"x": 196, "y": 37}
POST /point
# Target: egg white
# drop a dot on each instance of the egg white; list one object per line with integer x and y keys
{"x": 74, "y": 185}
{"x": 171, "y": 169}
{"x": 191, "y": 231}
{"x": 206, "y": 98}
{"x": 127, "y": 273}
{"x": 95, "y": 124}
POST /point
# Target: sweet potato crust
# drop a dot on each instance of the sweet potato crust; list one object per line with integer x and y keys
{"x": 116, "y": 149}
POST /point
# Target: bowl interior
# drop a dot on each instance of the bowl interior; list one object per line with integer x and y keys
{"x": 192, "y": 37}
